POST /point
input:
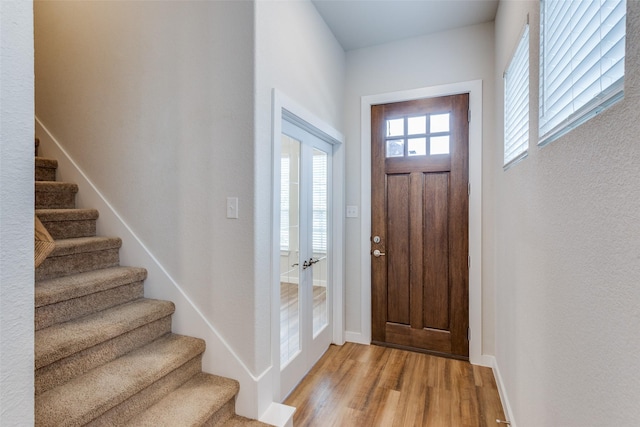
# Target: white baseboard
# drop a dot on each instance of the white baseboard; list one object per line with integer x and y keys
{"x": 356, "y": 337}
{"x": 279, "y": 415}
{"x": 219, "y": 358}
{"x": 502, "y": 391}
{"x": 484, "y": 360}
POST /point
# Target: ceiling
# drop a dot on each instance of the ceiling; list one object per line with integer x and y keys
{"x": 361, "y": 23}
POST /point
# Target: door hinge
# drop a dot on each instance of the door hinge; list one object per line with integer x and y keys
{"x": 469, "y": 334}
{"x": 468, "y": 189}
{"x": 468, "y": 262}
{"x": 469, "y": 115}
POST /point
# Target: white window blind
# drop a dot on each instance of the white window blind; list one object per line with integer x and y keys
{"x": 582, "y": 49}
{"x": 285, "y": 166}
{"x": 516, "y": 103}
{"x": 320, "y": 201}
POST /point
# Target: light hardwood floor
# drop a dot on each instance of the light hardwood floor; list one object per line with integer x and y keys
{"x": 358, "y": 385}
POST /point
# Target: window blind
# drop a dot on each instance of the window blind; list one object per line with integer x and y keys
{"x": 285, "y": 167}
{"x": 582, "y": 48}
{"x": 516, "y": 103}
{"x": 319, "y": 232}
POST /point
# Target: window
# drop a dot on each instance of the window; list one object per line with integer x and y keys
{"x": 516, "y": 103}
{"x": 582, "y": 49}
{"x": 424, "y": 135}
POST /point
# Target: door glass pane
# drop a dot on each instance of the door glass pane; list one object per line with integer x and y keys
{"x": 439, "y": 123}
{"x": 395, "y": 127}
{"x": 417, "y": 125}
{"x": 395, "y": 148}
{"x": 417, "y": 146}
{"x": 319, "y": 239}
{"x": 289, "y": 249}
{"x": 439, "y": 145}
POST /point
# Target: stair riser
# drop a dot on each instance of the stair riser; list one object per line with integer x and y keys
{"x": 45, "y": 174}
{"x": 147, "y": 397}
{"x": 222, "y": 415}
{"x": 70, "y": 229}
{"x": 58, "y": 266}
{"x": 77, "y": 364}
{"x": 72, "y": 309}
{"x": 55, "y": 200}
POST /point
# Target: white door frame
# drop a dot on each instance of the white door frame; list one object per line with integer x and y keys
{"x": 286, "y": 107}
{"x": 474, "y": 88}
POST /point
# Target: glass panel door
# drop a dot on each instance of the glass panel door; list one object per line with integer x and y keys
{"x": 305, "y": 248}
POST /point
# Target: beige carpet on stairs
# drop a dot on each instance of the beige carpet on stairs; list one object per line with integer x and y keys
{"x": 104, "y": 354}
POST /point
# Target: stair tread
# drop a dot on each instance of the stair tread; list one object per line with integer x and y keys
{"x": 66, "y": 214}
{"x": 192, "y": 404}
{"x": 45, "y": 162}
{"x": 64, "y": 339}
{"x": 78, "y": 245}
{"x": 51, "y": 291}
{"x": 88, "y": 396}
{"x": 56, "y": 186}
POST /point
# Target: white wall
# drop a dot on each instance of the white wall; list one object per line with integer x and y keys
{"x": 454, "y": 56}
{"x": 154, "y": 100}
{"x": 567, "y": 244}
{"x": 16, "y": 213}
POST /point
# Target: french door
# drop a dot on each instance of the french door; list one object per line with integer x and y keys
{"x": 305, "y": 243}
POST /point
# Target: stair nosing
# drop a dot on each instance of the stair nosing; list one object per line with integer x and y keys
{"x": 64, "y": 339}
{"x": 46, "y": 160}
{"x": 78, "y": 214}
{"x": 55, "y": 186}
{"x": 77, "y": 245}
{"x": 58, "y": 289}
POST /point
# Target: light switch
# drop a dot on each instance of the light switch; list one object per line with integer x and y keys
{"x": 352, "y": 212}
{"x": 232, "y": 207}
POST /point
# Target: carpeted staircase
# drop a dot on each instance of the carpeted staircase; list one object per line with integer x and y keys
{"x": 104, "y": 354}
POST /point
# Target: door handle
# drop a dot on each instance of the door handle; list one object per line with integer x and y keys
{"x": 306, "y": 264}
{"x": 378, "y": 254}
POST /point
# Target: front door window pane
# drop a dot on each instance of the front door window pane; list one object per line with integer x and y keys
{"x": 417, "y": 146}
{"x": 439, "y": 123}
{"x": 417, "y": 125}
{"x": 439, "y": 145}
{"x": 395, "y": 127}
{"x": 395, "y": 148}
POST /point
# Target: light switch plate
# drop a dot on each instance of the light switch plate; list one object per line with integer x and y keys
{"x": 232, "y": 207}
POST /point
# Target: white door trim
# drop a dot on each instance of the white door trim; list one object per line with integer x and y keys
{"x": 284, "y": 106}
{"x": 474, "y": 88}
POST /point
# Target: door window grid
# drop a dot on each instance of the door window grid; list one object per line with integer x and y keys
{"x": 418, "y": 135}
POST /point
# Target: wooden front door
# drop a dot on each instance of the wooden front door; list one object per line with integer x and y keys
{"x": 420, "y": 222}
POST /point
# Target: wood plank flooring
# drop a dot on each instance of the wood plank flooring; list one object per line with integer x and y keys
{"x": 358, "y": 385}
